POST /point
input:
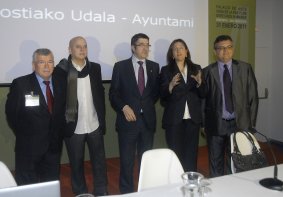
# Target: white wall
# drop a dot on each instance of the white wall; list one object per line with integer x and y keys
{"x": 269, "y": 66}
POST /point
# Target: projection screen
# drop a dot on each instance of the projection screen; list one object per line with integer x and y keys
{"x": 107, "y": 25}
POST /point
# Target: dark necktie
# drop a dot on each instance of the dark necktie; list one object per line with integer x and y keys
{"x": 227, "y": 84}
{"x": 141, "y": 77}
{"x": 49, "y": 96}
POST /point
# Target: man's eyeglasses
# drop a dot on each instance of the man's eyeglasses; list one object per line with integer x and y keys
{"x": 143, "y": 45}
{"x": 42, "y": 63}
{"x": 222, "y": 48}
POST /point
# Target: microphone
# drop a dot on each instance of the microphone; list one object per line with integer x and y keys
{"x": 270, "y": 183}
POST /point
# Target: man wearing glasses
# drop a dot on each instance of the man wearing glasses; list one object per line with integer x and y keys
{"x": 35, "y": 111}
{"x": 133, "y": 94}
{"x": 231, "y": 102}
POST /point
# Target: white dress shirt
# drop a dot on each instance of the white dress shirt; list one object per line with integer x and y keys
{"x": 186, "y": 113}
{"x": 87, "y": 115}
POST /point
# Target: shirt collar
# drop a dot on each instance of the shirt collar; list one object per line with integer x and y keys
{"x": 40, "y": 79}
{"x": 78, "y": 67}
{"x": 221, "y": 64}
{"x": 135, "y": 59}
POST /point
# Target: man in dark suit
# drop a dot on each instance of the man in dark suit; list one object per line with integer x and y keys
{"x": 133, "y": 94}
{"x": 36, "y": 116}
{"x": 85, "y": 116}
{"x": 231, "y": 102}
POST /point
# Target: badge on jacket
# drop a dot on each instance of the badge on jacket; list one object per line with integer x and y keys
{"x": 31, "y": 100}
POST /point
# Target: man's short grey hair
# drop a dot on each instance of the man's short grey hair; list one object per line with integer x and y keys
{"x": 41, "y": 51}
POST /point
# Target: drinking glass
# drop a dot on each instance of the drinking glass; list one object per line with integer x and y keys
{"x": 192, "y": 182}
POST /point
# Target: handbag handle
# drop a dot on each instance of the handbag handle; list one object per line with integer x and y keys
{"x": 249, "y": 137}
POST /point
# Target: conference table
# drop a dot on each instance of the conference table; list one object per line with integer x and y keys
{"x": 233, "y": 185}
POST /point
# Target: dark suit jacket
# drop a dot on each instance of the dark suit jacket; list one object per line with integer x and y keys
{"x": 35, "y": 128}
{"x": 124, "y": 91}
{"x": 97, "y": 90}
{"x": 245, "y": 97}
{"x": 175, "y": 103}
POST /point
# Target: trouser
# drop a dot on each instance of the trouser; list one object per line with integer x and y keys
{"x": 76, "y": 148}
{"x": 37, "y": 168}
{"x": 219, "y": 150}
{"x": 183, "y": 139}
{"x": 130, "y": 142}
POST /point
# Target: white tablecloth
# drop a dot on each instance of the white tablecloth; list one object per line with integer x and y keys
{"x": 234, "y": 185}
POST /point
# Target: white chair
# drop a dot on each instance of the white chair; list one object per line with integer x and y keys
{"x": 244, "y": 145}
{"x": 6, "y": 178}
{"x": 159, "y": 167}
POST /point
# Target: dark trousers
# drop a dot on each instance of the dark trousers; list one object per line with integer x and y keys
{"x": 76, "y": 149}
{"x": 132, "y": 142}
{"x": 219, "y": 150}
{"x": 183, "y": 139}
{"x": 37, "y": 168}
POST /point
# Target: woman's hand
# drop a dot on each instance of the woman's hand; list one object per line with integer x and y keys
{"x": 198, "y": 78}
{"x": 175, "y": 81}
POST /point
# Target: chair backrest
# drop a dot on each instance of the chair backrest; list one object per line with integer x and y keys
{"x": 159, "y": 167}
{"x": 6, "y": 177}
{"x": 44, "y": 189}
{"x": 244, "y": 145}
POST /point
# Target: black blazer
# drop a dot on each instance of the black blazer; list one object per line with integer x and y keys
{"x": 97, "y": 90}
{"x": 36, "y": 130}
{"x": 244, "y": 94}
{"x": 174, "y": 103}
{"x": 124, "y": 91}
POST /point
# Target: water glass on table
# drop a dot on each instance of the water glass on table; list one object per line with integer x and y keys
{"x": 195, "y": 184}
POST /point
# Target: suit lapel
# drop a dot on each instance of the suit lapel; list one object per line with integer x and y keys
{"x": 215, "y": 74}
{"x": 130, "y": 74}
{"x": 235, "y": 77}
{"x": 57, "y": 89}
{"x": 92, "y": 77}
{"x": 174, "y": 70}
{"x": 149, "y": 72}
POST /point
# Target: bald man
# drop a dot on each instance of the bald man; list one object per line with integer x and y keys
{"x": 85, "y": 116}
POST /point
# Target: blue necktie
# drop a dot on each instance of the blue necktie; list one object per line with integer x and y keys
{"x": 227, "y": 84}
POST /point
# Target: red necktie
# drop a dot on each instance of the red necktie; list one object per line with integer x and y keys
{"x": 49, "y": 96}
{"x": 227, "y": 84}
{"x": 141, "y": 77}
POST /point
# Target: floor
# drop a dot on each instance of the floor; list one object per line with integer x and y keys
{"x": 113, "y": 170}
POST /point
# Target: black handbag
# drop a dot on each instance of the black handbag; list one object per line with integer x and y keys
{"x": 247, "y": 162}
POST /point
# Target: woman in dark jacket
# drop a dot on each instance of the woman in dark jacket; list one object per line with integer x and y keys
{"x": 181, "y": 90}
